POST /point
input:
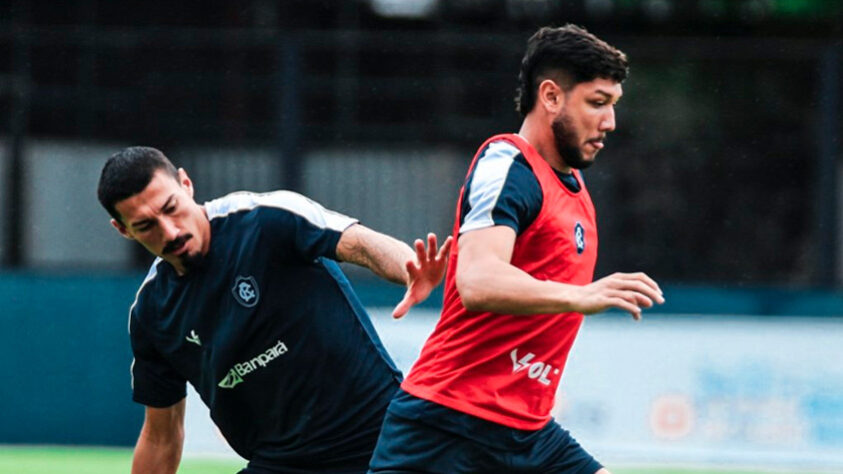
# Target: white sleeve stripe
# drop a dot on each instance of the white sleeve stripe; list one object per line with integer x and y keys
{"x": 295, "y": 203}
{"x": 132, "y": 372}
{"x": 153, "y": 272}
{"x": 490, "y": 175}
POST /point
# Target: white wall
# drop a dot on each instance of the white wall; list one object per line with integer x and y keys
{"x": 64, "y": 223}
{"x": 218, "y": 171}
{"x": 403, "y": 192}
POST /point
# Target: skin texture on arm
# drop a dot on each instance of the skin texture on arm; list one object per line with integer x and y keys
{"x": 380, "y": 253}
{"x": 395, "y": 261}
{"x": 160, "y": 442}
{"x": 486, "y": 281}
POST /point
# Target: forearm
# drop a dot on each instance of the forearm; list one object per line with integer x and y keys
{"x": 383, "y": 255}
{"x": 158, "y": 455}
{"x": 499, "y": 287}
{"x": 160, "y": 442}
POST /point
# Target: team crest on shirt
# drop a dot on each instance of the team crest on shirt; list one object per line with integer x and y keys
{"x": 245, "y": 291}
{"x": 579, "y": 237}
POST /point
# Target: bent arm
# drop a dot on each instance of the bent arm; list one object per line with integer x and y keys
{"x": 160, "y": 442}
{"x": 487, "y": 281}
{"x": 421, "y": 271}
{"x": 385, "y": 256}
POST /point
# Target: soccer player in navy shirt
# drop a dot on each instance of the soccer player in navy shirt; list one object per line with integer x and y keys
{"x": 246, "y": 303}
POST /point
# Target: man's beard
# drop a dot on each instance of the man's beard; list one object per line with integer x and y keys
{"x": 191, "y": 261}
{"x": 188, "y": 260}
{"x": 566, "y": 144}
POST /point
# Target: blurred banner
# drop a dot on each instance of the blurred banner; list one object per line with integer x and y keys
{"x": 725, "y": 389}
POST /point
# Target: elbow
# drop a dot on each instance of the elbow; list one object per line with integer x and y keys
{"x": 471, "y": 292}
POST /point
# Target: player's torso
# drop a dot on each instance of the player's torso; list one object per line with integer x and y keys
{"x": 505, "y": 368}
{"x": 274, "y": 348}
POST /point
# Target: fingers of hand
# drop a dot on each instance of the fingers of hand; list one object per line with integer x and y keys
{"x": 404, "y": 306}
{"x": 627, "y": 282}
{"x": 644, "y": 278}
{"x": 421, "y": 253}
{"x": 446, "y": 248}
{"x": 400, "y": 310}
{"x": 623, "y": 304}
{"x": 431, "y": 246}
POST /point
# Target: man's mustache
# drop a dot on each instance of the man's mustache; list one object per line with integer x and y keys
{"x": 176, "y": 243}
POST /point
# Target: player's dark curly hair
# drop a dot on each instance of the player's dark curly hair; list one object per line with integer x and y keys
{"x": 128, "y": 172}
{"x": 572, "y": 55}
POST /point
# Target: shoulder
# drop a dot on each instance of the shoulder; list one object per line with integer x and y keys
{"x": 501, "y": 190}
{"x": 498, "y": 151}
{"x": 502, "y": 168}
{"x": 271, "y": 203}
{"x": 500, "y": 159}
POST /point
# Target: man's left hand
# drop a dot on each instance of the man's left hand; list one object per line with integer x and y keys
{"x": 425, "y": 273}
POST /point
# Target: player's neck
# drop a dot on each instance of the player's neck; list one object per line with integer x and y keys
{"x": 540, "y": 136}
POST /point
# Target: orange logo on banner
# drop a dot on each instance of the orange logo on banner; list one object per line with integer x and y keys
{"x": 671, "y": 417}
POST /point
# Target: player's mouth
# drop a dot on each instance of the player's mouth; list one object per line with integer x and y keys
{"x": 177, "y": 246}
{"x": 595, "y": 143}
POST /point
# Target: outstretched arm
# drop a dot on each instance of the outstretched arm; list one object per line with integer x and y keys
{"x": 486, "y": 281}
{"x": 160, "y": 442}
{"x": 395, "y": 261}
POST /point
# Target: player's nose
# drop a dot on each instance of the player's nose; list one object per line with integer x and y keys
{"x": 607, "y": 122}
{"x": 171, "y": 230}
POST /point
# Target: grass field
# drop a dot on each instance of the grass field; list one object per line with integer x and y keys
{"x": 86, "y": 460}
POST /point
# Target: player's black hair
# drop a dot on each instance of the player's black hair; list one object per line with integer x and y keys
{"x": 571, "y": 55}
{"x": 128, "y": 172}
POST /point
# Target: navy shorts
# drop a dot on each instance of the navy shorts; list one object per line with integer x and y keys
{"x": 355, "y": 466}
{"x": 421, "y": 436}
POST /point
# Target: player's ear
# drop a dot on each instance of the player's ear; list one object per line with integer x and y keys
{"x": 551, "y": 96}
{"x": 121, "y": 228}
{"x": 185, "y": 182}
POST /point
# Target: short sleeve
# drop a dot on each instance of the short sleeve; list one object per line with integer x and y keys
{"x": 302, "y": 226}
{"x": 154, "y": 381}
{"x": 501, "y": 190}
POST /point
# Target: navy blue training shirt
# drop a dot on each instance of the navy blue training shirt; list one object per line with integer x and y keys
{"x": 269, "y": 332}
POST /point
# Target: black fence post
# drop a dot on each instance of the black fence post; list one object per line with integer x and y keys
{"x": 828, "y": 154}
{"x": 18, "y": 126}
{"x": 289, "y": 111}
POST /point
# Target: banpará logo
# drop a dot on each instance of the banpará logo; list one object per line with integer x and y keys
{"x": 579, "y": 237}
{"x": 235, "y": 374}
{"x": 246, "y": 291}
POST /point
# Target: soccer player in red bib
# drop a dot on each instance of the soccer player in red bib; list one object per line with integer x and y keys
{"x": 519, "y": 281}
